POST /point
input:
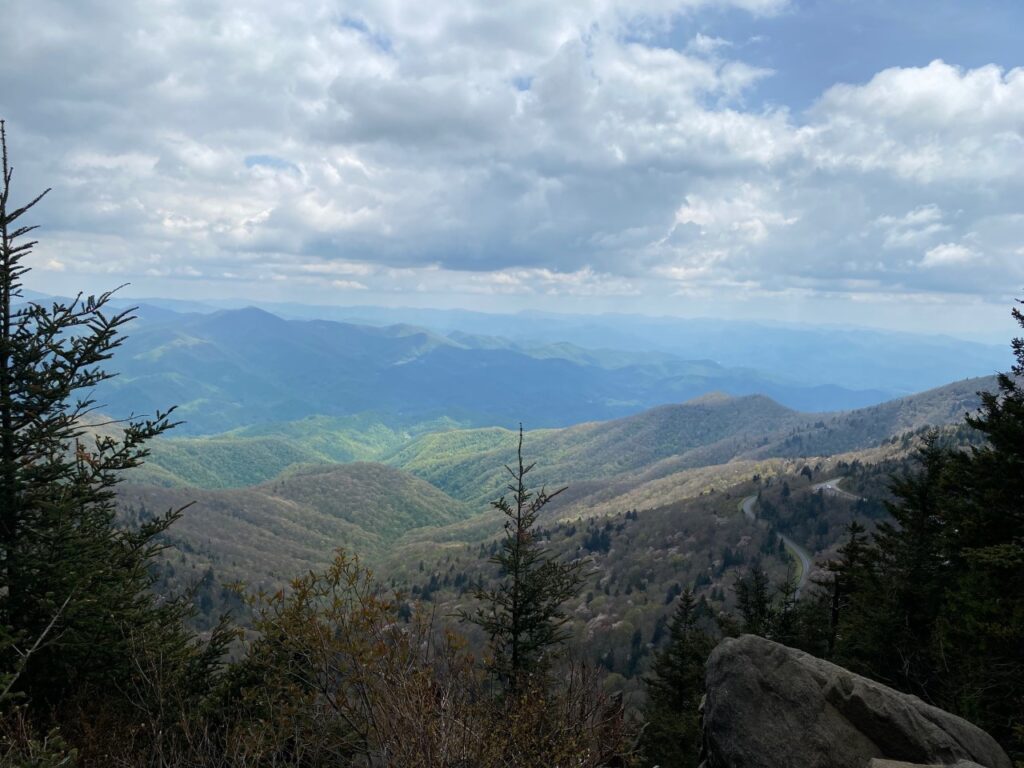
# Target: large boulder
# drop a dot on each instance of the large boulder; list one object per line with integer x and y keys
{"x": 769, "y": 705}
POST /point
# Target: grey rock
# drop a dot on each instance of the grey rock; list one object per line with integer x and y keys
{"x": 769, "y": 705}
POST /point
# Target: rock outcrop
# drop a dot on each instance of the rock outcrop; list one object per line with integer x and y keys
{"x": 772, "y": 706}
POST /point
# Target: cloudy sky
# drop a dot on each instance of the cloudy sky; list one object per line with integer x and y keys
{"x": 841, "y": 161}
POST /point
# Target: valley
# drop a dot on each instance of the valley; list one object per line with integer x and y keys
{"x": 304, "y": 436}
{"x": 681, "y": 495}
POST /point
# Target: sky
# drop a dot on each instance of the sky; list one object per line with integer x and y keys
{"x": 850, "y": 162}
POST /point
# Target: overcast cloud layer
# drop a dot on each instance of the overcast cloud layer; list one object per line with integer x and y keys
{"x": 601, "y": 155}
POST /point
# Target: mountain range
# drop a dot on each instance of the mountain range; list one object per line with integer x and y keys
{"x": 425, "y": 493}
{"x": 305, "y": 433}
{"x": 239, "y": 369}
{"x": 891, "y": 362}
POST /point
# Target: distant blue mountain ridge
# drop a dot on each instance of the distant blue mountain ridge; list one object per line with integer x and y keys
{"x": 233, "y": 367}
{"x": 228, "y": 368}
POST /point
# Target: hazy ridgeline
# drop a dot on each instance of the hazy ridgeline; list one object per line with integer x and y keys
{"x": 238, "y": 368}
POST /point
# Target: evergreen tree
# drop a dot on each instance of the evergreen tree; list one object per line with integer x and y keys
{"x": 674, "y": 690}
{"x": 523, "y": 615}
{"x": 906, "y": 573}
{"x": 935, "y": 605}
{"x": 779, "y": 613}
{"x": 982, "y": 627}
{"x": 754, "y": 599}
{"x": 784, "y": 625}
{"x": 842, "y": 583}
{"x": 81, "y": 624}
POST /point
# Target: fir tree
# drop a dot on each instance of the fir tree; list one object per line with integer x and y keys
{"x": 674, "y": 690}
{"x": 81, "y": 622}
{"x": 754, "y": 599}
{"x": 523, "y": 615}
{"x": 842, "y": 583}
{"x": 935, "y": 605}
{"x": 908, "y": 572}
{"x": 982, "y": 626}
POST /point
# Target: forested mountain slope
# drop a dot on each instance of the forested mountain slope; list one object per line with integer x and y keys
{"x": 433, "y": 493}
{"x": 239, "y": 368}
{"x": 284, "y": 527}
{"x": 709, "y": 431}
{"x": 467, "y": 462}
{"x": 869, "y": 426}
{"x": 252, "y": 455}
{"x": 818, "y": 354}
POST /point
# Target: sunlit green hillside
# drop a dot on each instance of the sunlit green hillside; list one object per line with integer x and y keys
{"x": 278, "y": 529}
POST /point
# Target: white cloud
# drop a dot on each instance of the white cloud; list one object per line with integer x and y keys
{"x": 338, "y": 268}
{"x": 480, "y": 147}
{"x": 948, "y": 254}
{"x": 706, "y": 44}
{"x": 924, "y": 124}
{"x": 744, "y": 218}
{"x": 913, "y": 229}
{"x": 539, "y": 282}
{"x": 348, "y": 285}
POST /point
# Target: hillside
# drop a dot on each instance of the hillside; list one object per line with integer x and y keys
{"x": 224, "y": 462}
{"x": 434, "y": 489}
{"x": 374, "y": 497}
{"x": 652, "y": 445}
{"x": 653, "y": 503}
{"x": 241, "y": 368}
{"x": 884, "y": 362}
{"x": 639, "y": 557}
{"x": 252, "y": 455}
{"x": 870, "y": 426}
{"x": 657, "y": 444}
{"x": 468, "y": 463}
{"x": 270, "y": 532}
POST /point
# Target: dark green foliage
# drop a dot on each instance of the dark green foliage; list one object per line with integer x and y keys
{"x": 984, "y": 489}
{"x": 674, "y": 690}
{"x": 935, "y": 606}
{"x": 842, "y": 582}
{"x": 778, "y": 613}
{"x": 523, "y": 615}
{"x": 82, "y": 628}
{"x": 896, "y": 588}
{"x": 754, "y": 600}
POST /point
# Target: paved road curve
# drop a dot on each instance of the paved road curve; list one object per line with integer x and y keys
{"x": 832, "y": 487}
{"x": 801, "y": 554}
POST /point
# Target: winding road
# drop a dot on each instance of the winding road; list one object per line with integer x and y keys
{"x": 832, "y": 487}
{"x": 801, "y": 554}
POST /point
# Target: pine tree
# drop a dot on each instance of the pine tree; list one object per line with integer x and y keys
{"x": 523, "y": 616}
{"x": 888, "y": 596}
{"x": 784, "y": 625}
{"x": 937, "y": 600}
{"x": 754, "y": 600}
{"x": 845, "y": 573}
{"x": 912, "y": 571}
{"x": 982, "y": 626}
{"x": 674, "y": 690}
{"x": 80, "y": 619}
